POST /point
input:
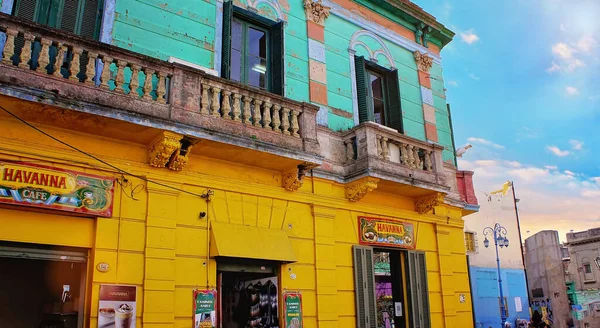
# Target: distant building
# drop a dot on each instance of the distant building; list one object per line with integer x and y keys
{"x": 495, "y": 208}
{"x": 583, "y": 276}
{"x": 546, "y": 279}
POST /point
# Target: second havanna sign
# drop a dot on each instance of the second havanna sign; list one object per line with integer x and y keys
{"x": 386, "y": 232}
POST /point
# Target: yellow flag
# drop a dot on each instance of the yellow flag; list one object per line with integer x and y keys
{"x": 504, "y": 189}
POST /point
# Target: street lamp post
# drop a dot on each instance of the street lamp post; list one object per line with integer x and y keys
{"x": 499, "y": 234}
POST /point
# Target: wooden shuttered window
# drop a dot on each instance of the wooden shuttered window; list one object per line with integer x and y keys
{"x": 393, "y": 110}
{"x": 419, "y": 294}
{"x": 276, "y": 31}
{"x": 364, "y": 282}
{"x": 82, "y": 17}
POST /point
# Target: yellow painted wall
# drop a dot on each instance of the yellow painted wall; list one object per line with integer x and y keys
{"x": 158, "y": 242}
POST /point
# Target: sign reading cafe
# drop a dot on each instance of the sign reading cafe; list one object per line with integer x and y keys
{"x": 54, "y": 188}
{"x": 385, "y": 232}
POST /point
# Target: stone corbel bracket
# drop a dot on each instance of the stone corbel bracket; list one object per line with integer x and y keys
{"x": 356, "y": 190}
{"x": 170, "y": 150}
{"x": 293, "y": 179}
{"x": 423, "y": 61}
{"x": 315, "y": 11}
{"x": 426, "y": 204}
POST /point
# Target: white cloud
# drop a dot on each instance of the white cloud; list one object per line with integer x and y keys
{"x": 453, "y": 83}
{"x": 576, "y": 144}
{"x": 485, "y": 142}
{"x": 596, "y": 180}
{"x": 514, "y": 164}
{"x": 571, "y": 91}
{"x": 586, "y": 44}
{"x": 549, "y": 199}
{"x": 469, "y": 36}
{"x": 556, "y": 151}
{"x": 474, "y": 77}
{"x": 551, "y": 167}
{"x": 553, "y": 68}
{"x": 573, "y": 64}
{"x": 563, "y": 50}
{"x": 486, "y": 162}
{"x": 594, "y": 97}
{"x": 569, "y": 173}
{"x": 563, "y": 27}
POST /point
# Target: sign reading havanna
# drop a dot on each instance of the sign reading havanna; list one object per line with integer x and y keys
{"x": 385, "y": 232}
{"x": 54, "y": 188}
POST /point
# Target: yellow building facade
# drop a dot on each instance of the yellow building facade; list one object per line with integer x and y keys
{"x": 180, "y": 181}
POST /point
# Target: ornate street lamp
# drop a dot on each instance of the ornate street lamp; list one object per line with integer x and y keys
{"x": 498, "y": 232}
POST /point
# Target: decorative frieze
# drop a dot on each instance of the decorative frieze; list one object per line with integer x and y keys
{"x": 316, "y": 11}
{"x": 424, "y": 62}
{"x": 426, "y": 204}
{"x": 355, "y": 191}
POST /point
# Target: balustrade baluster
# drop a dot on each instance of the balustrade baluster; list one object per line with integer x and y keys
{"x": 428, "y": 162}
{"x": 295, "y": 126}
{"x": 256, "y": 112}
{"x": 418, "y": 162}
{"x": 205, "y": 101}
{"x": 147, "y": 88}
{"x": 236, "y": 107}
{"x": 411, "y": 156}
{"x": 134, "y": 82}
{"x": 276, "y": 118}
{"x": 267, "y": 115}
{"x": 60, "y": 59}
{"x": 349, "y": 150}
{"x": 214, "y": 106}
{"x": 285, "y": 121}
{"x": 75, "y": 64}
{"x": 25, "y": 56}
{"x": 161, "y": 88}
{"x": 90, "y": 69}
{"x": 105, "y": 76}
{"x": 120, "y": 79}
{"x": 226, "y": 106}
{"x": 9, "y": 46}
{"x": 247, "y": 113}
{"x": 44, "y": 57}
{"x": 379, "y": 150}
{"x": 385, "y": 150}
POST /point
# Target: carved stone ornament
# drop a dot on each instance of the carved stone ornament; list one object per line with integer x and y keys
{"x": 163, "y": 147}
{"x": 358, "y": 189}
{"x": 293, "y": 179}
{"x": 426, "y": 204}
{"x": 315, "y": 11}
{"x": 178, "y": 160}
{"x": 424, "y": 62}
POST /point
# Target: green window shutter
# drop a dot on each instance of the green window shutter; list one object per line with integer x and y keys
{"x": 419, "y": 293}
{"x": 394, "y": 108}
{"x": 25, "y": 9}
{"x": 226, "y": 39}
{"x": 364, "y": 283}
{"x": 69, "y": 16}
{"x": 277, "y": 69}
{"x": 361, "y": 89}
{"x": 91, "y": 18}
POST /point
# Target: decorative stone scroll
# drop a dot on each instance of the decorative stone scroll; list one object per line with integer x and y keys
{"x": 315, "y": 11}
{"x": 293, "y": 179}
{"x": 424, "y": 62}
{"x": 426, "y": 204}
{"x": 355, "y": 191}
{"x": 163, "y": 147}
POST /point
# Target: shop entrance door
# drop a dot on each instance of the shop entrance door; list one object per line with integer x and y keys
{"x": 41, "y": 286}
{"x": 390, "y": 288}
{"x": 248, "y": 294}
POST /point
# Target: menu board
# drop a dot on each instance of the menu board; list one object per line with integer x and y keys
{"x": 205, "y": 315}
{"x": 117, "y": 306}
{"x": 292, "y": 303}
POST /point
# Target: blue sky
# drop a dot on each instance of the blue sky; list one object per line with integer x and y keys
{"x": 523, "y": 80}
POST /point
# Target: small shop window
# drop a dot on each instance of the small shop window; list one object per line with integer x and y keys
{"x": 378, "y": 94}
{"x": 470, "y": 242}
{"x": 82, "y": 17}
{"x": 252, "y": 51}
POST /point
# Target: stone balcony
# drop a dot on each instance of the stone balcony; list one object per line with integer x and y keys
{"x": 61, "y": 70}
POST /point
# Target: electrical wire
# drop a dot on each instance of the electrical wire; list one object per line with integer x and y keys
{"x": 96, "y": 158}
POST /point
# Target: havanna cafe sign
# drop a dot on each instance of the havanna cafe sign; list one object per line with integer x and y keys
{"x": 386, "y": 233}
{"x": 46, "y": 187}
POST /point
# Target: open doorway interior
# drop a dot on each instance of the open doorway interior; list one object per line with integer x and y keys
{"x": 41, "y": 286}
{"x": 249, "y": 296}
{"x": 390, "y": 288}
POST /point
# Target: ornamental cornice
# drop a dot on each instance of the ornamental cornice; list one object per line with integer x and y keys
{"x": 355, "y": 191}
{"x": 316, "y": 11}
{"x": 426, "y": 204}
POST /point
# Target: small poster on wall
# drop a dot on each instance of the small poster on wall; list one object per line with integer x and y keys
{"x": 205, "y": 314}
{"x": 117, "y": 306}
{"x": 293, "y": 310}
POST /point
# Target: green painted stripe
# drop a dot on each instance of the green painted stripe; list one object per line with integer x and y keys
{"x": 340, "y": 102}
{"x": 412, "y": 111}
{"x": 442, "y": 123}
{"x": 410, "y": 92}
{"x": 296, "y": 27}
{"x": 414, "y": 129}
{"x": 296, "y": 68}
{"x": 338, "y": 123}
{"x": 296, "y": 89}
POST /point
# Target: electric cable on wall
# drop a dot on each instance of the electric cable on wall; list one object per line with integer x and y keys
{"x": 94, "y": 157}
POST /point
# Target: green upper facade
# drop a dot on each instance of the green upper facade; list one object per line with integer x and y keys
{"x": 354, "y": 59}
